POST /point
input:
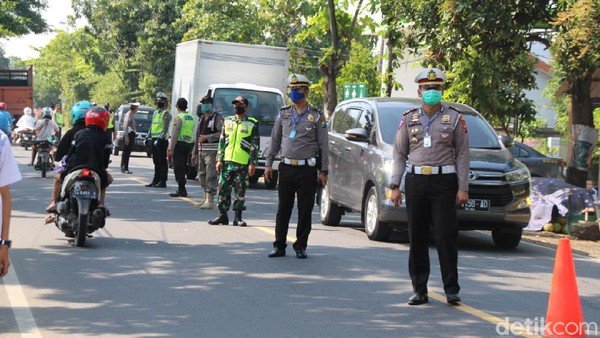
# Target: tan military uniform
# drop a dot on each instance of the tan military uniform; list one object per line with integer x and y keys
{"x": 449, "y": 143}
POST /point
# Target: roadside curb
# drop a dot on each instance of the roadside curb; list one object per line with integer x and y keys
{"x": 551, "y": 242}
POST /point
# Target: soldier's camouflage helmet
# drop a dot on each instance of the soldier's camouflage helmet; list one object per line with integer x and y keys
{"x": 430, "y": 76}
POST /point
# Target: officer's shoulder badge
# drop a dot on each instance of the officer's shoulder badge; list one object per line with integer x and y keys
{"x": 410, "y": 111}
{"x": 311, "y": 117}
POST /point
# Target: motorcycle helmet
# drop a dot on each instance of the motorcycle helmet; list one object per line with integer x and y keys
{"x": 161, "y": 97}
{"x": 27, "y": 111}
{"x": 79, "y": 109}
{"x": 47, "y": 113}
{"x": 97, "y": 116}
{"x": 2, "y": 106}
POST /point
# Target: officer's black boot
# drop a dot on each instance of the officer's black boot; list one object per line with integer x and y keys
{"x": 222, "y": 219}
{"x": 238, "y": 219}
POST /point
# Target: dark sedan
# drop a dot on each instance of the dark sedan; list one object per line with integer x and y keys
{"x": 361, "y": 135}
{"x": 539, "y": 165}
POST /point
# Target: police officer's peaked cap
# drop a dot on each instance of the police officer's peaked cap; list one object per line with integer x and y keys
{"x": 297, "y": 80}
{"x": 430, "y": 76}
{"x": 206, "y": 99}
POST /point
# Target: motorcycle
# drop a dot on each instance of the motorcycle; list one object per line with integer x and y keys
{"x": 77, "y": 212}
{"x": 44, "y": 159}
{"x": 26, "y": 138}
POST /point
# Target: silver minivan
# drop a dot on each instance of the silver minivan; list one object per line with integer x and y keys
{"x": 361, "y": 137}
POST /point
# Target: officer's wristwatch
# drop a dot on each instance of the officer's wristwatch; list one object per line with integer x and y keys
{"x": 7, "y": 243}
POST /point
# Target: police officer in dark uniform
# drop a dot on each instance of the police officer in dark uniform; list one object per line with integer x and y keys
{"x": 300, "y": 136}
{"x": 159, "y": 136}
{"x": 431, "y": 153}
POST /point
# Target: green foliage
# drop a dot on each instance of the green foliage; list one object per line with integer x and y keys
{"x": 61, "y": 72}
{"x": 360, "y": 68}
{"x": 576, "y": 48}
{"x": 4, "y": 61}
{"x": 20, "y": 17}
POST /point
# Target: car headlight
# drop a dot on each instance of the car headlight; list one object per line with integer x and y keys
{"x": 518, "y": 175}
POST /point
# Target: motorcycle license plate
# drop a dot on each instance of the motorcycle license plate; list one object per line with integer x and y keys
{"x": 88, "y": 194}
{"x": 475, "y": 205}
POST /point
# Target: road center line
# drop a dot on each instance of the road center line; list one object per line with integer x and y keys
{"x": 19, "y": 305}
{"x": 464, "y": 308}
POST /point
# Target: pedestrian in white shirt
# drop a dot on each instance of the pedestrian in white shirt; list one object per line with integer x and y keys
{"x": 9, "y": 174}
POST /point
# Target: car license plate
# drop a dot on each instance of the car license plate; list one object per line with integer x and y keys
{"x": 88, "y": 194}
{"x": 475, "y": 205}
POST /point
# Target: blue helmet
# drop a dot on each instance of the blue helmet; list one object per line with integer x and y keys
{"x": 79, "y": 109}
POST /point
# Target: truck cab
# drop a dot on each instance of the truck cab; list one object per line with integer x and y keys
{"x": 264, "y": 106}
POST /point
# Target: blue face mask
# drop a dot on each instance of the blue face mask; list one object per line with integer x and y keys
{"x": 205, "y": 107}
{"x": 431, "y": 97}
{"x": 296, "y": 95}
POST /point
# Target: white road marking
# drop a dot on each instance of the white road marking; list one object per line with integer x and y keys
{"x": 19, "y": 305}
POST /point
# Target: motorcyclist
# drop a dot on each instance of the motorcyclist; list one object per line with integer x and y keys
{"x": 43, "y": 128}
{"x": 5, "y": 120}
{"x": 62, "y": 150}
{"x": 89, "y": 145}
{"x": 25, "y": 123}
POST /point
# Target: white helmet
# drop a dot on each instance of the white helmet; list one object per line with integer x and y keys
{"x": 27, "y": 111}
{"x": 47, "y": 112}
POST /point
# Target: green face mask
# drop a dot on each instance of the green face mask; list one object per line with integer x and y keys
{"x": 431, "y": 97}
{"x": 205, "y": 107}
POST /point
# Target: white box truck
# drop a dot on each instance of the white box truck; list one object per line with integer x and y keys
{"x": 224, "y": 70}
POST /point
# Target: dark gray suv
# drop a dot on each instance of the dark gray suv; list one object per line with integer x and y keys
{"x": 361, "y": 137}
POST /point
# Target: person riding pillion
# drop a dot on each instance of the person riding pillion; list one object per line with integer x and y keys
{"x": 159, "y": 134}
{"x": 181, "y": 145}
{"x": 210, "y": 124}
{"x": 237, "y": 158}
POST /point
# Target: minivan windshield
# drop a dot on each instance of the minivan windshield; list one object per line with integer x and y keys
{"x": 481, "y": 135}
{"x": 263, "y": 106}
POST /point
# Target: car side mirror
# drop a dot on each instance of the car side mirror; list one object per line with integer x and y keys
{"x": 507, "y": 141}
{"x": 357, "y": 135}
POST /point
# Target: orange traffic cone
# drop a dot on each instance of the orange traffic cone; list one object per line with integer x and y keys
{"x": 564, "y": 317}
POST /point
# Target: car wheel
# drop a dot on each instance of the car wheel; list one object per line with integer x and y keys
{"x": 507, "y": 240}
{"x": 330, "y": 213}
{"x": 375, "y": 229}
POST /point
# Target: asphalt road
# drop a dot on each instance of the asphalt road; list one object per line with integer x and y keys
{"x": 158, "y": 269}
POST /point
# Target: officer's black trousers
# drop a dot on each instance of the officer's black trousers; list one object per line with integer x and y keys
{"x": 127, "y": 148}
{"x": 301, "y": 180}
{"x": 159, "y": 158}
{"x": 431, "y": 201}
{"x": 180, "y": 159}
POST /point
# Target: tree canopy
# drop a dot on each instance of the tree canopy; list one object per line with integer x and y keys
{"x": 20, "y": 17}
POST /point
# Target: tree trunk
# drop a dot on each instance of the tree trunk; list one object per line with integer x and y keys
{"x": 389, "y": 72}
{"x": 580, "y": 113}
{"x": 330, "y": 71}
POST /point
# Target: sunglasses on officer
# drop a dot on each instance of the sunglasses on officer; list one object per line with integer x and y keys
{"x": 431, "y": 87}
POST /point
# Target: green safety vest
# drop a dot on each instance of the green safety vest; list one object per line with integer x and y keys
{"x": 238, "y": 134}
{"x": 186, "y": 132}
{"x": 158, "y": 125}
{"x": 58, "y": 118}
{"x": 111, "y": 121}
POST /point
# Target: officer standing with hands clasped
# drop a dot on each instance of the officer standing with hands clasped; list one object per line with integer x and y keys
{"x": 181, "y": 145}
{"x": 434, "y": 141}
{"x": 237, "y": 158}
{"x": 159, "y": 135}
{"x": 300, "y": 134}
{"x": 210, "y": 125}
